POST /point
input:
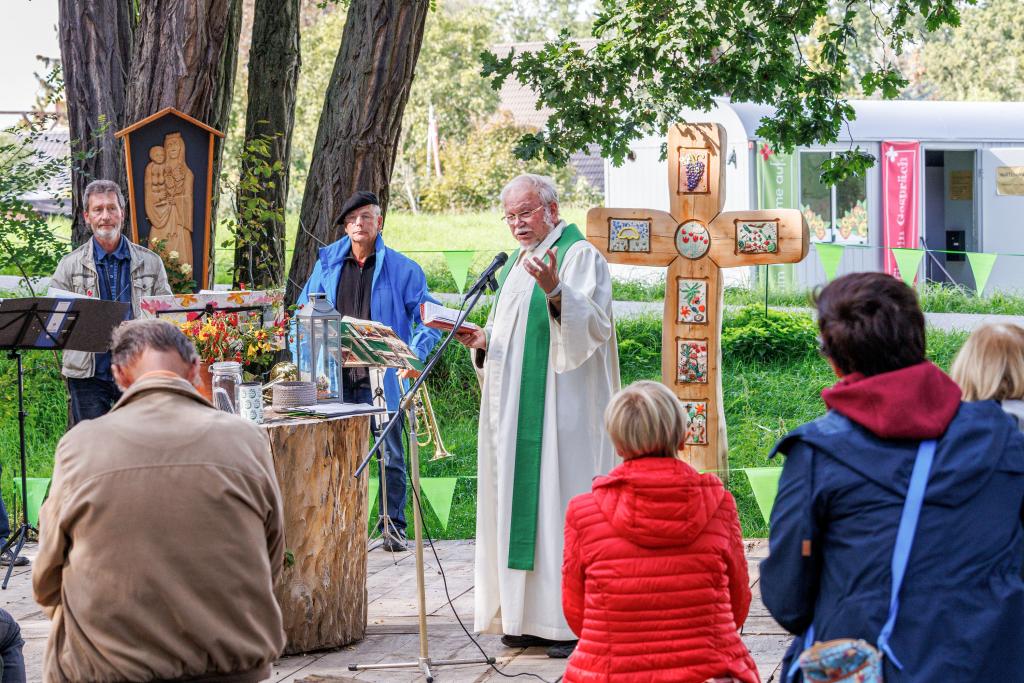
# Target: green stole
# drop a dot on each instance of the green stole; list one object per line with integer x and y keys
{"x": 522, "y": 539}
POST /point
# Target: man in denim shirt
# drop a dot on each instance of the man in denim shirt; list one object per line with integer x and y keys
{"x": 110, "y": 267}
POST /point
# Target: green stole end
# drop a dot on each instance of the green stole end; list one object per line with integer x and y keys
{"x": 522, "y": 540}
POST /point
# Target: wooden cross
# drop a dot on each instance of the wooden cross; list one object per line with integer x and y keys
{"x": 696, "y": 240}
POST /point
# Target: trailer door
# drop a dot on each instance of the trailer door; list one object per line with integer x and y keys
{"x": 1002, "y": 215}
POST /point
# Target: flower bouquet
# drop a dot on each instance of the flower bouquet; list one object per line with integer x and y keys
{"x": 222, "y": 335}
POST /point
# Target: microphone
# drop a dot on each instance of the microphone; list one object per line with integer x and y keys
{"x": 487, "y": 277}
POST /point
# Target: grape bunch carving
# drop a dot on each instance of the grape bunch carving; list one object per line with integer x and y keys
{"x": 694, "y": 171}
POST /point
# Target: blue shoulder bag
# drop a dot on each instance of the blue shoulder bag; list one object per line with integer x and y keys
{"x": 855, "y": 661}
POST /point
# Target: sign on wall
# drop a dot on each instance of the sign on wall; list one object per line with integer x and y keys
{"x": 961, "y": 185}
{"x": 169, "y": 159}
{"x": 1010, "y": 180}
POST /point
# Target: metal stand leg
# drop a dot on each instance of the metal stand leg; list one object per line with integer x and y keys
{"x": 424, "y": 662}
{"x": 21, "y": 535}
{"x": 385, "y": 526}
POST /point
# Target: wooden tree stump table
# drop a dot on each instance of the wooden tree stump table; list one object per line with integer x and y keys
{"x": 323, "y": 593}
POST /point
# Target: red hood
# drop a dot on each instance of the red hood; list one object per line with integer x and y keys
{"x": 916, "y": 402}
{"x": 658, "y": 502}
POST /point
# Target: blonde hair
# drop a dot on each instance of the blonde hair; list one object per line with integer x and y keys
{"x": 990, "y": 366}
{"x": 646, "y": 418}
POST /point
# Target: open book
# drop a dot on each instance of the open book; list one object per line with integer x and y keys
{"x": 366, "y": 343}
{"x": 442, "y": 318}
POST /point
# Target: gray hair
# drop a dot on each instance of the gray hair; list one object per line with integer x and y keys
{"x": 543, "y": 185}
{"x": 102, "y": 187}
{"x": 132, "y": 337}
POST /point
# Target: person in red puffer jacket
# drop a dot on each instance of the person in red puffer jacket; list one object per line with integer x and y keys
{"x": 654, "y": 580}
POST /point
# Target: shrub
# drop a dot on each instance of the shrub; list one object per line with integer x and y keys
{"x": 476, "y": 170}
{"x": 779, "y": 335}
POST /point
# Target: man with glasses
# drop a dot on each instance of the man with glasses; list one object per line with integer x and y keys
{"x": 364, "y": 279}
{"x": 550, "y": 366}
{"x": 110, "y": 267}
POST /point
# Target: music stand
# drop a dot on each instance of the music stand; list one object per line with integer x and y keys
{"x": 49, "y": 324}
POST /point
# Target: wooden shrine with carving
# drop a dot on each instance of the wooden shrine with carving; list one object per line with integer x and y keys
{"x": 695, "y": 240}
{"x": 169, "y": 161}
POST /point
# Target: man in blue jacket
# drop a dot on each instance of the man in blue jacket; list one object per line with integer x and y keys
{"x": 364, "y": 279}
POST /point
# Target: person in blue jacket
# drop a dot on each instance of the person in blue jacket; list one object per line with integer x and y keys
{"x": 364, "y": 279}
{"x": 833, "y": 527}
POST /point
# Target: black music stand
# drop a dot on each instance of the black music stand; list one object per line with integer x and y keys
{"x": 80, "y": 324}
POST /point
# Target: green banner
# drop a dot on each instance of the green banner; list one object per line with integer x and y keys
{"x": 439, "y": 491}
{"x": 777, "y": 189}
{"x": 907, "y": 261}
{"x": 776, "y": 186}
{"x": 830, "y": 255}
{"x": 458, "y": 264}
{"x": 981, "y": 266}
{"x": 764, "y": 481}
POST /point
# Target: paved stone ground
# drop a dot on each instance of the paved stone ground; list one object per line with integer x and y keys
{"x": 392, "y": 634}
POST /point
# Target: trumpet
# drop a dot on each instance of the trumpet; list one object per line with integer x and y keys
{"x": 425, "y": 416}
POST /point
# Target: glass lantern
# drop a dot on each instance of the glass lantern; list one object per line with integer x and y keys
{"x": 318, "y": 346}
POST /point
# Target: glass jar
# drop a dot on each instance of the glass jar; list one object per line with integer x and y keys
{"x": 225, "y": 377}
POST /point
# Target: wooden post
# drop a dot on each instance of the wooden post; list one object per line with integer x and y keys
{"x": 323, "y": 593}
{"x": 695, "y": 240}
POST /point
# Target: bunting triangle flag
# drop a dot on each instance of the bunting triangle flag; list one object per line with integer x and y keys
{"x": 439, "y": 491}
{"x": 981, "y": 265}
{"x": 458, "y": 264}
{"x": 764, "y": 481}
{"x": 907, "y": 261}
{"x": 830, "y": 255}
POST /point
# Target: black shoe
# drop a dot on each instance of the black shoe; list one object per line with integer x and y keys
{"x": 562, "y": 650}
{"x": 394, "y": 542}
{"x": 526, "y": 640}
{"x": 20, "y": 561}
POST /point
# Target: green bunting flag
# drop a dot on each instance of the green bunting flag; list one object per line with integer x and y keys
{"x": 830, "y": 255}
{"x": 907, "y": 260}
{"x": 981, "y": 265}
{"x": 439, "y": 491}
{"x": 764, "y": 481}
{"x": 458, "y": 264}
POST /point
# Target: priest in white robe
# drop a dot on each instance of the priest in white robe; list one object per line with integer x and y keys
{"x": 550, "y": 365}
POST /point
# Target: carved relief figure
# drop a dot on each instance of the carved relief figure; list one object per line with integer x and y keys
{"x": 168, "y": 188}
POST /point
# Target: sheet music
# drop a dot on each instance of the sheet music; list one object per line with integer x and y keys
{"x": 337, "y": 409}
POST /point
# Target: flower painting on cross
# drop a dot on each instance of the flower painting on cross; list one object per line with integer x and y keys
{"x": 696, "y": 422}
{"x": 757, "y": 237}
{"x": 693, "y": 295}
{"x": 692, "y": 361}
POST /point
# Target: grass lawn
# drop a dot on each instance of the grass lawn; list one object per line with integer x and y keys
{"x": 763, "y": 400}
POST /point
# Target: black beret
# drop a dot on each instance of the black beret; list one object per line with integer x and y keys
{"x": 357, "y": 200}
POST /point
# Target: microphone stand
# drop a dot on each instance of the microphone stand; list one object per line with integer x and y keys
{"x": 424, "y": 662}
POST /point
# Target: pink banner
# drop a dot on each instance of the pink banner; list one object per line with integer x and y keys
{"x": 901, "y": 169}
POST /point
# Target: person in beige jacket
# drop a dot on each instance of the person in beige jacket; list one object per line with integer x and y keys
{"x": 110, "y": 267}
{"x": 163, "y": 533}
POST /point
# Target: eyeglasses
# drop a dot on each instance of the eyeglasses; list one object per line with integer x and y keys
{"x": 513, "y": 218}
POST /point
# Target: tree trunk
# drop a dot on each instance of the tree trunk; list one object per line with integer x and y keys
{"x": 184, "y": 57}
{"x": 95, "y": 46}
{"x": 273, "y": 75}
{"x": 361, "y": 120}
